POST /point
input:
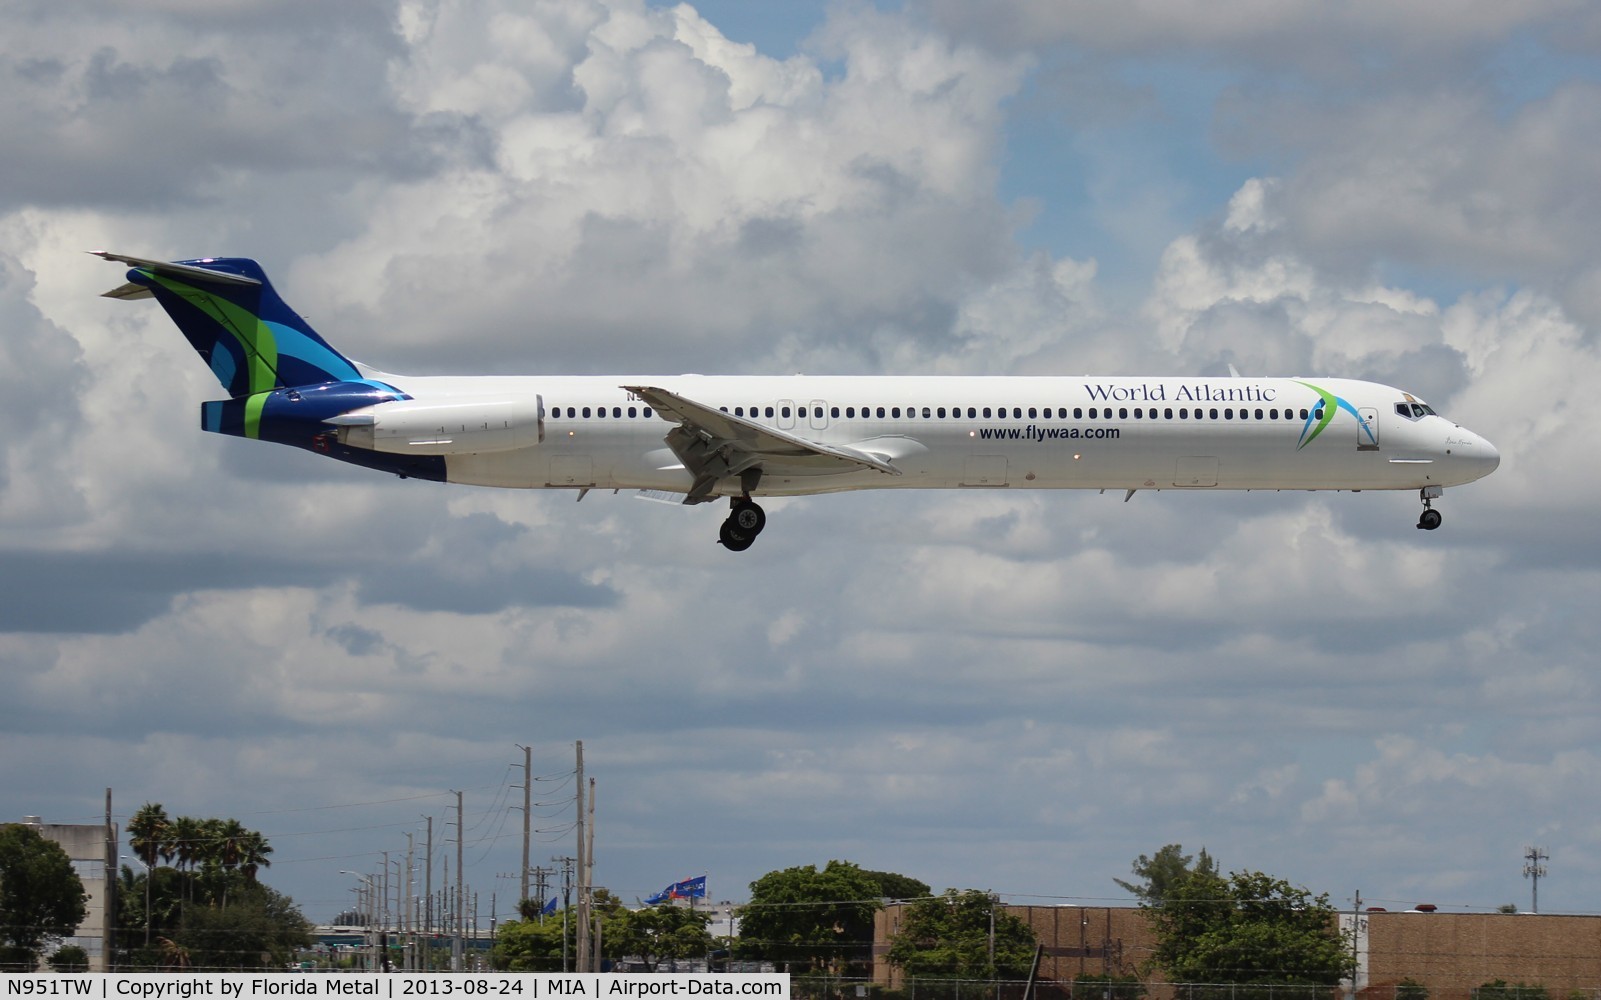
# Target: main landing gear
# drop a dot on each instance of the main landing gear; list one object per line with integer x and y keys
{"x": 1430, "y": 518}
{"x": 745, "y": 521}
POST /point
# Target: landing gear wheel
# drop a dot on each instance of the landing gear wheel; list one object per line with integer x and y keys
{"x": 732, "y": 538}
{"x": 1429, "y": 519}
{"x": 748, "y": 517}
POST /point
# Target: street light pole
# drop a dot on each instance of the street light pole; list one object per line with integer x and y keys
{"x": 147, "y": 894}
{"x": 367, "y": 914}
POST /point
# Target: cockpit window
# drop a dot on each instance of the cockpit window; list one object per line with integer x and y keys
{"x": 1414, "y": 410}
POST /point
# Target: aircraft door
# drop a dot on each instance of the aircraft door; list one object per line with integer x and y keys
{"x": 1367, "y": 429}
{"x": 786, "y": 414}
{"x": 819, "y": 415}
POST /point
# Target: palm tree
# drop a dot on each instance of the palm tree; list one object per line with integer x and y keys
{"x": 148, "y": 833}
{"x": 186, "y": 846}
{"x": 253, "y": 851}
{"x": 229, "y": 837}
{"x": 187, "y": 843}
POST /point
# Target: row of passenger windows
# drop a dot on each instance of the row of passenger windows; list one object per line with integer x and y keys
{"x": 972, "y": 412}
{"x": 599, "y": 411}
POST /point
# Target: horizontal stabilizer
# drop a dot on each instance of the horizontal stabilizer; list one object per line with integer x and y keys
{"x": 188, "y": 272}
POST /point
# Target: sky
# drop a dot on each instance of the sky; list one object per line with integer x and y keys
{"x": 1017, "y": 692}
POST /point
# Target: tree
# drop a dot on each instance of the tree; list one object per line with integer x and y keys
{"x": 41, "y": 897}
{"x": 69, "y": 958}
{"x": 528, "y": 945}
{"x": 954, "y": 936}
{"x": 892, "y": 885}
{"x": 1247, "y": 929}
{"x": 1169, "y": 865}
{"x": 150, "y": 834}
{"x": 1411, "y": 989}
{"x": 191, "y": 907}
{"x": 803, "y": 919}
{"x": 661, "y": 933}
{"x": 260, "y": 929}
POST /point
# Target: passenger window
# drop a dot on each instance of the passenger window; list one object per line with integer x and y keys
{"x": 833, "y": 412}
{"x": 1122, "y": 413}
{"x": 928, "y": 413}
{"x": 1228, "y": 414}
{"x": 769, "y": 411}
{"x": 645, "y": 412}
{"x": 880, "y": 412}
{"x": 1031, "y": 413}
{"x": 895, "y": 412}
{"x": 1078, "y": 413}
{"x": 941, "y": 412}
{"x": 586, "y": 411}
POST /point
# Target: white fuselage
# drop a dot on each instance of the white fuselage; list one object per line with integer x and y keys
{"x": 1090, "y": 432}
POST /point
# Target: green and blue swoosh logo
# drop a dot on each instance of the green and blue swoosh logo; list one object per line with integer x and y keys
{"x": 1323, "y": 414}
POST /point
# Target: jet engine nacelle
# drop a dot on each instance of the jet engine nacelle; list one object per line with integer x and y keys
{"x": 445, "y": 427}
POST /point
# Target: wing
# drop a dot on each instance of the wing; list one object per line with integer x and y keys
{"x": 714, "y": 445}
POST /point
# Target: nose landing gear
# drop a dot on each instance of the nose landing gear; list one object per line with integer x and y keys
{"x": 1430, "y": 518}
{"x": 745, "y": 521}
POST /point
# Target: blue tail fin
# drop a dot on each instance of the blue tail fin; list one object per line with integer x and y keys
{"x": 233, "y": 317}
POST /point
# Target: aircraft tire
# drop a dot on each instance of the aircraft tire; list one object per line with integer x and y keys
{"x": 732, "y": 538}
{"x": 1429, "y": 520}
{"x": 748, "y": 518}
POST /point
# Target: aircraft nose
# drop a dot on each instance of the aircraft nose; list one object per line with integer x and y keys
{"x": 1482, "y": 456}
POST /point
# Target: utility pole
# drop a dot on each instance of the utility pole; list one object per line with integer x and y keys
{"x": 583, "y": 867}
{"x": 542, "y": 890}
{"x": 461, "y": 914}
{"x": 108, "y": 925}
{"x": 1534, "y": 870}
{"x": 566, "y": 903}
{"x": 528, "y": 812}
{"x": 589, "y": 884}
{"x": 408, "y": 922}
{"x": 428, "y": 907}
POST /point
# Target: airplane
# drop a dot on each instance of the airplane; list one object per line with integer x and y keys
{"x": 697, "y": 438}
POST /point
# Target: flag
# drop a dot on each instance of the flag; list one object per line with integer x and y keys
{"x": 690, "y": 888}
{"x": 548, "y": 908}
{"x": 694, "y": 888}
